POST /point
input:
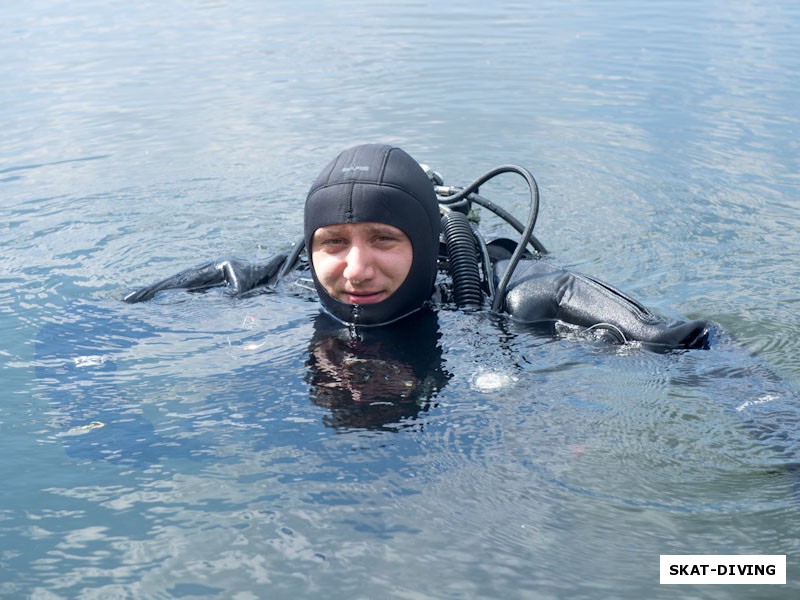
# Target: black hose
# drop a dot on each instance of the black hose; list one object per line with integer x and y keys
{"x": 291, "y": 260}
{"x": 463, "y": 259}
{"x": 508, "y": 218}
{"x": 527, "y": 231}
{"x": 488, "y": 274}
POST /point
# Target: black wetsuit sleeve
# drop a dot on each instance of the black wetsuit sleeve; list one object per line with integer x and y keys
{"x": 238, "y": 275}
{"x": 543, "y": 293}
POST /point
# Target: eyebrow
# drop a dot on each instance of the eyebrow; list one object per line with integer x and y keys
{"x": 383, "y": 228}
{"x": 340, "y": 230}
{"x": 328, "y": 230}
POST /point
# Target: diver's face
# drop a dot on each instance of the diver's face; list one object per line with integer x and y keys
{"x": 361, "y": 263}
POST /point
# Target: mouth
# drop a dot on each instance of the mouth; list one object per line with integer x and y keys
{"x": 363, "y": 297}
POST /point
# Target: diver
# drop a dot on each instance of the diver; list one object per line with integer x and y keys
{"x": 384, "y": 239}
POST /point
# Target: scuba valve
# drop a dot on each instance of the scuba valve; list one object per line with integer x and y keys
{"x": 463, "y": 242}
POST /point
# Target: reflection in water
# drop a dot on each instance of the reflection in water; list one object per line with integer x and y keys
{"x": 375, "y": 378}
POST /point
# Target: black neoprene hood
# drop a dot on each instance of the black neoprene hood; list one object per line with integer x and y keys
{"x": 376, "y": 183}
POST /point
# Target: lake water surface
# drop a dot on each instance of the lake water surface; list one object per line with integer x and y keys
{"x": 180, "y": 448}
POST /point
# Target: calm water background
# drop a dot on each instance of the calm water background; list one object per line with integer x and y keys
{"x": 140, "y": 138}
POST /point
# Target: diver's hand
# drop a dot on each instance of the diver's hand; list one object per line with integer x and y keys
{"x": 239, "y": 275}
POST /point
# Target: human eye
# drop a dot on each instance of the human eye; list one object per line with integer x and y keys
{"x": 384, "y": 241}
{"x": 387, "y": 237}
{"x": 333, "y": 242}
{"x": 329, "y": 239}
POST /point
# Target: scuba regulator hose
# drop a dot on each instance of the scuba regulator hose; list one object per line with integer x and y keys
{"x": 449, "y": 197}
{"x": 463, "y": 259}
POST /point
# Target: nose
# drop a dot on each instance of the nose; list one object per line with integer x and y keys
{"x": 358, "y": 264}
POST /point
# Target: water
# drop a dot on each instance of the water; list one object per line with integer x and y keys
{"x": 179, "y": 448}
